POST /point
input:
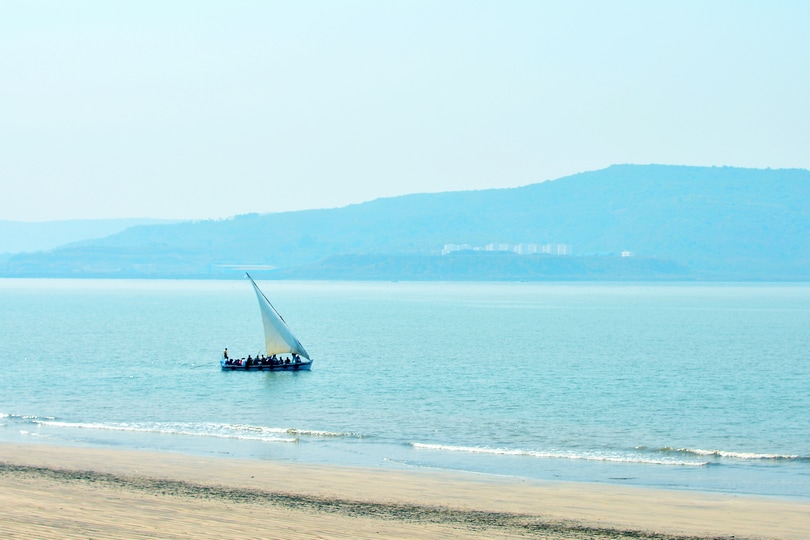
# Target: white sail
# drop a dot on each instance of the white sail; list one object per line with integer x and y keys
{"x": 278, "y": 338}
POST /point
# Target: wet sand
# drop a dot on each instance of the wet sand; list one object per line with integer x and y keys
{"x": 65, "y": 492}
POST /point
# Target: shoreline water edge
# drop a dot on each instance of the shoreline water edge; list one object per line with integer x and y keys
{"x": 116, "y": 492}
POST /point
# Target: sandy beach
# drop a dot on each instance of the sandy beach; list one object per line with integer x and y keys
{"x": 66, "y": 492}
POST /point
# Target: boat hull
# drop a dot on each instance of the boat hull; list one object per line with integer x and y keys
{"x": 301, "y": 366}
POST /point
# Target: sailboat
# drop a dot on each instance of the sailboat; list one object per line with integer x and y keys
{"x": 283, "y": 350}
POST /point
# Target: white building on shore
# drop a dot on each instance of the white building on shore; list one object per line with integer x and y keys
{"x": 520, "y": 249}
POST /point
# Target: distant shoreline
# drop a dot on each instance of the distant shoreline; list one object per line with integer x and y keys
{"x": 259, "y": 275}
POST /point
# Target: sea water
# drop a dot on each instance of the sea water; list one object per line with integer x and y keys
{"x": 683, "y": 386}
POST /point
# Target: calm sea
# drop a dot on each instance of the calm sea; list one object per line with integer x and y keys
{"x": 683, "y": 386}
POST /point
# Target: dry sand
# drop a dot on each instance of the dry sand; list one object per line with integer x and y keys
{"x": 66, "y": 492}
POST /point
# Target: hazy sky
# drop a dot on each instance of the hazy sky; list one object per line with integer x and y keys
{"x": 200, "y": 109}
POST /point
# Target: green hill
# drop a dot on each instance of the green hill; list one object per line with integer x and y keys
{"x": 677, "y": 222}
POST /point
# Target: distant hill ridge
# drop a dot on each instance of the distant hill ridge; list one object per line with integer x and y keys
{"x": 20, "y": 236}
{"x": 686, "y": 222}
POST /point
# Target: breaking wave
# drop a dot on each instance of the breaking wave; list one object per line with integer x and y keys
{"x": 215, "y": 430}
{"x": 726, "y": 454}
{"x": 587, "y": 456}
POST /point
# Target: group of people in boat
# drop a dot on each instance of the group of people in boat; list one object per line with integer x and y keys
{"x": 262, "y": 360}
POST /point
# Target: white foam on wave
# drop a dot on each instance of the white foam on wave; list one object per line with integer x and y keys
{"x": 26, "y": 417}
{"x": 734, "y": 455}
{"x": 317, "y": 433}
{"x": 208, "y": 429}
{"x": 221, "y": 431}
{"x": 613, "y": 458}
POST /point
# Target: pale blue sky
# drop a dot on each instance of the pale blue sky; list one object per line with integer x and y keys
{"x": 200, "y": 109}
